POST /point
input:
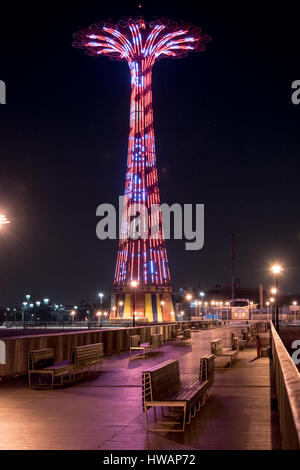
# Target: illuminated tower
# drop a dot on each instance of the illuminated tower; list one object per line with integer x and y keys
{"x": 143, "y": 260}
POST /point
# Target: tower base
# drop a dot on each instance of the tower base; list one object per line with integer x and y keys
{"x": 147, "y": 304}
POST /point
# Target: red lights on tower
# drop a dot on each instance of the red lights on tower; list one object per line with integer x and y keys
{"x": 141, "y": 44}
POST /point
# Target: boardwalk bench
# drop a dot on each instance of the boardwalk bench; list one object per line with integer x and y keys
{"x": 184, "y": 335}
{"x": 164, "y": 387}
{"x": 220, "y": 352}
{"x": 83, "y": 358}
{"x": 263, "y": 344}
{"x": 237, "y": 342}
{"x": 41, "y": 363}
{"x": 143, "y": 350}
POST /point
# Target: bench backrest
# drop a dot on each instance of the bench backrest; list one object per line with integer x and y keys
{"x": 156, "y": 340}
{"x": 216, "y": 347}
{"x": 135, "y": 341}
{"x": 87, "y": 353}
{"x": 40, "y": 358}
{"x": 187, "y": 334}
{"x": 207, "y": 368}
{"x": 160, "y": 380}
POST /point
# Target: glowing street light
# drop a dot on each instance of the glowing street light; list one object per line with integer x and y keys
{"x": 73, "y": 315}
{"x": 3, "y": 220}
{"x": 276, "y": 269}
{"x": 273, "y": 290}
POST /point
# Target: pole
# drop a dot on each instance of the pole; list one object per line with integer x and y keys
{"x": 133, "y": 318}
{"x": 233, "y": 245}
{"x": 276, "y": 306}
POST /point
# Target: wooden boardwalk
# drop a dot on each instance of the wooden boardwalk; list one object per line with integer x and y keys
{"x": 106, "y": 412}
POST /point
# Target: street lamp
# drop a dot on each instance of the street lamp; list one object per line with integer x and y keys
{"x": 276, "y": 270}
{"x": 134, "y": 285}
{"x": 101, "y": 295}
{"x": 98, "y": 314}
{"x": 3, "y": 220}
{"x": 189, "y": 298}
{"x": 73, "y": 316}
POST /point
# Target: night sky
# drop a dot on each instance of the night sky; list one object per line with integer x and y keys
{"x": 227, "y": 135}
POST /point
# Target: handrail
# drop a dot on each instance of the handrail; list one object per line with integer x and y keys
{"x": 288, "y": 393}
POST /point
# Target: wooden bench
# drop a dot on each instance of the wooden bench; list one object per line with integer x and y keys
{"x": 184, "y": 335}
{"x": 237, "y": 342}
{"x": 143, "y": 350}
{"x": 41, "y": 363}
{"x": 83, "y": 358}
{"x": 164, "y": 387}
{"x": 219, "y": 351}
{"x": 263, "y": 344}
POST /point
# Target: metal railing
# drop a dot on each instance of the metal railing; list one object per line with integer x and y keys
{"x": 288, "y": 392}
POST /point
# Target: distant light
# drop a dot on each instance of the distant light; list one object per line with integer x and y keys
{"x": 3, "y": 220}
{"x": 76, "y": 307}
{"x": 101, "y": 295}
{"x": 295, "y": 302}
{"x": 188, "y": 296}
{"x": 134, "y": 284}
{"x": 268, "y": 303}
{"x": 25, "y": 303}
{"x": 162, "y": 303}
{"x": 46, "y": 301}
{"x": 27, "y": 296}
{"x": 202, "y": 294}
{"x": 121, "y": 303}
{"x": 276, "y": 269}
{"x": 273, "y": 290}
{"x": 31, "y": 305}
{"x": 38, "y": 303}
{"x": 73, "y": 313}
{"x": 99, "y": 314}
{"x": 272, "y": 299}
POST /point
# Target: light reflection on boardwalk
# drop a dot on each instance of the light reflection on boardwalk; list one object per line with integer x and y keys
{"x": 106, "y": 413}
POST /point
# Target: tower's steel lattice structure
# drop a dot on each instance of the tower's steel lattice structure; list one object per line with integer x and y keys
{"x": 144, "y": 259}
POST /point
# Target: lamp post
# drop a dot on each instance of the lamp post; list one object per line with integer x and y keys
{"x": 98, "y": 317}
{"x": 134, "y": 285}
{"x": 276, "y": 270}
{"x": 101, "y": 295}
{"x": 267, "y": 304}
{"x": 189, "y": 298}
{"x": 73, "y": 316}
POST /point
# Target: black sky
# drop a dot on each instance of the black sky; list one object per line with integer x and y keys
{"x": 227, "y": 135}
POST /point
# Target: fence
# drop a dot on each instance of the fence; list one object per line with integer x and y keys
{"x": 288, "y": 393}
